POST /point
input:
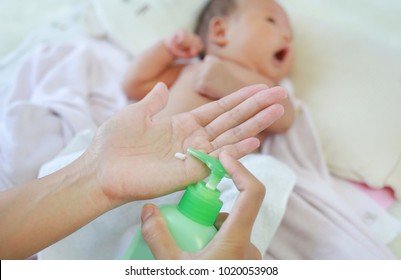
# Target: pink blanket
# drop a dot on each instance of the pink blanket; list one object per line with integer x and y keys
{"x": 318, "y": 224}
{"x": 58, "y": 92}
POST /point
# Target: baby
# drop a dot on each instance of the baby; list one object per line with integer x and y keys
{"x": 245, "y": 42}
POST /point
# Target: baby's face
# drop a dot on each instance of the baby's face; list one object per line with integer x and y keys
{"x": 261, "y": 35}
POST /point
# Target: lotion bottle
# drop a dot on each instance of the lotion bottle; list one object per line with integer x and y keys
{"x": 191, "y": 221}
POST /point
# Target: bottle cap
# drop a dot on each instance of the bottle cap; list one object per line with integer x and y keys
{"x": 201, "y": 202}
{"x": 217, "y": 170}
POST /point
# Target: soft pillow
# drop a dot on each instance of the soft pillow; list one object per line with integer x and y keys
{"x": 20, "y": 18}
{"x": 135, "y": 25}
{"x": 348, "y": 71}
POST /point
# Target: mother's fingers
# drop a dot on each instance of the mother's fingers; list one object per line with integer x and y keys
{"x": 157, "y": 235}
{"x": 263, "y": 102}
{"x": 238, "y": 149}
{"x": 251, "y": 127}
{"x": 247, "y": 204}
{"x": 208, "y": 112}
{"x": 252, "y": 252}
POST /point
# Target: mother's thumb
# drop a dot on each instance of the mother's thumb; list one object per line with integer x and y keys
{"x": 156, "y": 234}
{"x": 155, "y": 100}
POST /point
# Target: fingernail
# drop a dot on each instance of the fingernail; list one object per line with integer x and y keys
{"x": 285, "y": 92}
{"x": 147, "y": 212}
{"x": 159, "y": 85}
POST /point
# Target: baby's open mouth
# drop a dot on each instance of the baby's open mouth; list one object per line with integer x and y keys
{"x": 281, "y": 54}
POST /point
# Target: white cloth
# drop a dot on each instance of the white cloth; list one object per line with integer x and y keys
{"x": 59, "y": 91}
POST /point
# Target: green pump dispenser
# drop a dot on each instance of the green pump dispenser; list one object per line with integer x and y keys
{"x": 191, "y": 221}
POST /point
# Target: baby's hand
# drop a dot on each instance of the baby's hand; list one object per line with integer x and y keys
{"x": 184, "y": 44}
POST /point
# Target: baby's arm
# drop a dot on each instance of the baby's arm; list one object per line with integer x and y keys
{"x": 217, "y": 78}
{"x": 157, "y": 63}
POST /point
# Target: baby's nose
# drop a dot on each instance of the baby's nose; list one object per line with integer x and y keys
{"x": 287, "y": 34}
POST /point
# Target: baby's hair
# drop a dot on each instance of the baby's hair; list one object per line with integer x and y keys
{"x": 213, "y": 8}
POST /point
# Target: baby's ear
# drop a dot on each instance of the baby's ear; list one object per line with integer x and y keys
{"x": 217, "y": 31}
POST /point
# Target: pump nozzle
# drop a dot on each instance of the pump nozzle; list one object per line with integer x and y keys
{"x": 216, "y": 168}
